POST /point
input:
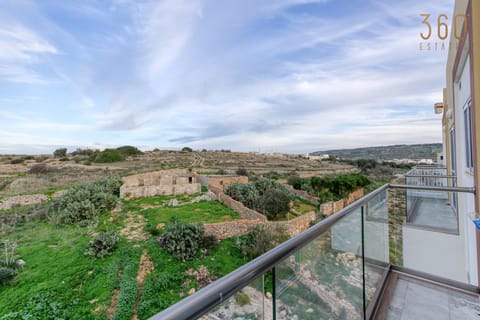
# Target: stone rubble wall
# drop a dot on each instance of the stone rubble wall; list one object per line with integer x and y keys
{"x": 330, "y": 207}
{"x": 224, "y": 230}
{"x": 22, "y": 201}
{"x": 304, "y": 195}
{"x": 238, "y": 207}
{"x": 252, "y": 218}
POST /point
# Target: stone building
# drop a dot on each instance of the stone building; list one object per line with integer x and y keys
{"x": 164, "y": 182}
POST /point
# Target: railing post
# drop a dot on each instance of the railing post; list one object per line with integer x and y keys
{"x": 363, "y": 262}
{"x": 274, "y": 296}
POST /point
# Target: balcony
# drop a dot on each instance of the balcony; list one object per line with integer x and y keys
{"x": 431, "y": 209}
{"x": 357, "y": 264}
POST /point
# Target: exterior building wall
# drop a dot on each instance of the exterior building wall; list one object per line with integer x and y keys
{"x": 433, "y": 252}
{"x": 462, "y": 83}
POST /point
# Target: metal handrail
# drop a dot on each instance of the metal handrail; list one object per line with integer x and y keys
{"x": 206, "y": 298}
{"x": 219, "y": 291}
{"x": 429, "y": 176}
{"x": 432, "y": 188}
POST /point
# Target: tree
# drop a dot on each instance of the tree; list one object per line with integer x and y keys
{"x": 274, "y": 203}
{"x": 187, "y": 149}
{"x": 60, "y": 153}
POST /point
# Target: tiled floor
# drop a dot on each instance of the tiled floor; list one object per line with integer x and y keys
{"x": 435, "y": 213}
{"x": 418, "y": 300}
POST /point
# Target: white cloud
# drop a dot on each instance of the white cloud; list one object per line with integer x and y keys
{"x": 244, "y": 74}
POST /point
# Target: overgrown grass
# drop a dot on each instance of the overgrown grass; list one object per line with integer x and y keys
{"x": 165, "y": 285}
{"x": 58, "y": 272}
{"x": 203, "y": 211}
{"x": 59, "y": 281}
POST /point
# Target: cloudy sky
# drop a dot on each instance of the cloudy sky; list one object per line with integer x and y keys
{"x": 247, "y": 75}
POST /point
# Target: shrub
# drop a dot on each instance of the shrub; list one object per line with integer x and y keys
{"x": 6, "y": 274}
{"x": 9, "y": 262}
{"x": 129, "y": 151}
{"x": 265, "y": 195}
{"x": 41, "y": 168}
{"x": 85, "y": 201}
{"x": 260, "y": 240}
{"x": 60, "y": 153}
{"x": 182, "y": 240}
{"x": 242, "y": 299}
{"x": 109, "y": 156}
{"x": 209, "y": 242}
{"x": 221, "y": 171}
{"x": 102, "y": 245}
{"x": 17, "y": 161}
{"x": 187, "y": 149}
{"x": 274, "y": 203}
{"x": 84, "y": 152}
{"x": 242, "y": 172}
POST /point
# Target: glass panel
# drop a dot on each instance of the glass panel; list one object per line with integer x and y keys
{"x": 376, "y": 243}
{"x": 247, "y": 304}
{"x": 432, "y": 210}
{"x": 324, "y": 279}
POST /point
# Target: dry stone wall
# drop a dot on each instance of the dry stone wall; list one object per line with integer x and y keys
{"x": 330, "y": 207}
{"x": 22, "y": 201}
{"x": 164, "y": 182}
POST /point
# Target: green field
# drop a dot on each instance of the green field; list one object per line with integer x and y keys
{"x": 59, "y": 281}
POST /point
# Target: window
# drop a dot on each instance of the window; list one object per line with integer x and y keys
{"x": 467, "y": 118}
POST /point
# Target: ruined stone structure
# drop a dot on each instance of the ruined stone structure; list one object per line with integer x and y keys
{"x": 164, "y": 182}
{"x": 221, "y": 181}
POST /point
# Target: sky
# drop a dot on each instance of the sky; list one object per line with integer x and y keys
{"x": 249, "y": 75}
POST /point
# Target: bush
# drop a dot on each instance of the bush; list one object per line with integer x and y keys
{"x": 17, "y": 161}
{"x": 242, "y": 299}
{"x": 242, "y": 172}
{"x": 187, "y": 149}
{"x": 6, "y": 274}
{"x": 274, "y": 203}
{"x": 102, "y": 245}
{"x": 41, "y": 168}
{"x": 109, "y": 156}
{"x": 183, "y": 240}
{"x": 260, "y": 240}
{"x": 129, "y": 151}
{"x": 9, "y": 262}
{"x": 265, "y": 195}
{"x": 209, "y": 242}
{"x": 60, "y": 153}
{"x": 85, "y": 201}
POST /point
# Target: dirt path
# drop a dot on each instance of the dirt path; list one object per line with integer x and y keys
{"x": 134, "y": 224}
{"x": 144, "y": 268}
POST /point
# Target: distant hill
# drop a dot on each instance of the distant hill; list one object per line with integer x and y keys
{"x": 402, "y": 151}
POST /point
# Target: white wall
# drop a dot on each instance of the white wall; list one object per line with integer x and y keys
{"x": 466, "y": 205}
{"x": 436, "y": 253}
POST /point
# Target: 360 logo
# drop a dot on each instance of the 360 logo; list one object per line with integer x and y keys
{"x": 459, "y": 31}
{"x": 442, "y": 26}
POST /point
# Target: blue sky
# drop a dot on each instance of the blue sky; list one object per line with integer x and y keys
{"x": 271, "y": 75}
